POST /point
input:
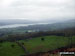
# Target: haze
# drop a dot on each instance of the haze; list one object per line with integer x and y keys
{"x": 37, "y": 9}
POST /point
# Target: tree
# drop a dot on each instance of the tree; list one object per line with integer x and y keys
{"x": 42, "y": 39}
{"x": 22, "y": 43}
{"x": 1, "y": 41}
{"x": 12, "y": 45}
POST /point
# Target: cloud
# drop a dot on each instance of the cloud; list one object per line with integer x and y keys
{"x": 37, "y": 9}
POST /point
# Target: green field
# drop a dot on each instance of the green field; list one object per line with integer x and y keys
{"x": 34, "y": 45}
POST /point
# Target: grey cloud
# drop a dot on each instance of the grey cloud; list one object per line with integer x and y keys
{"x": 39, "y": 9}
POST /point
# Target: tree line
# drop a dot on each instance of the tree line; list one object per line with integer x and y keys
{"x": 14, "y": 37}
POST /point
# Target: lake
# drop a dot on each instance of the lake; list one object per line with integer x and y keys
{"x": 20, "y": 25}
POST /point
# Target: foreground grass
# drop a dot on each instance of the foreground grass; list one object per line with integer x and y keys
{"x": 35, "y": 45}
{"x": 7, "y": 50}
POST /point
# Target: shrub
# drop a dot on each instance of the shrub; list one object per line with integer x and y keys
{"x": 42, "y": 39}
{"x": 22, "y": 43}
{"x": 12, "y": 45}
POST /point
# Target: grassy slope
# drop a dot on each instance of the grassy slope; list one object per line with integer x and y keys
{"x": 7, "y": 50}
{"x": 50, "y": 43}
{"x": 34, "y": 45}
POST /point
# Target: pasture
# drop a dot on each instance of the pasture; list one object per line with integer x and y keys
{"x": 35, "y": 45}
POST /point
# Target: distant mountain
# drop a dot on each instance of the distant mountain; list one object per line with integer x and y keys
{"x": 23, "y": 21}
{"x": 70, "y": 24}
{"x": 41, "y": 27}
{"x": 54, "y": 26}
{"x": 1, "y": 24}
{"x": 14, "y": 21}
{"x": 65, "y": 24}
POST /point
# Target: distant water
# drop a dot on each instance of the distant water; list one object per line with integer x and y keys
{"x": 20, "y": 25}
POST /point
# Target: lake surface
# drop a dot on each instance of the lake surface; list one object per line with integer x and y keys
{"x": 20, "y": 25}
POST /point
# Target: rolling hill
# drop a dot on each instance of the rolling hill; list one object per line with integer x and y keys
{"x": 54, "y": 26}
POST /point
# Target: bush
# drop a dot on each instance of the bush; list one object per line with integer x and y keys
{"x": 42, "y": 39}
{"x": 22, "y": 43}
{"x": 12, "y": 45}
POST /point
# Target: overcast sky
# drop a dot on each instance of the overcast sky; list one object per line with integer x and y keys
{"x": 37, "y": 9}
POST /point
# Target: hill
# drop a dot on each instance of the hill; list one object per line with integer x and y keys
{"x": 50, "y": 27}
{"x": 14, "y": 21}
